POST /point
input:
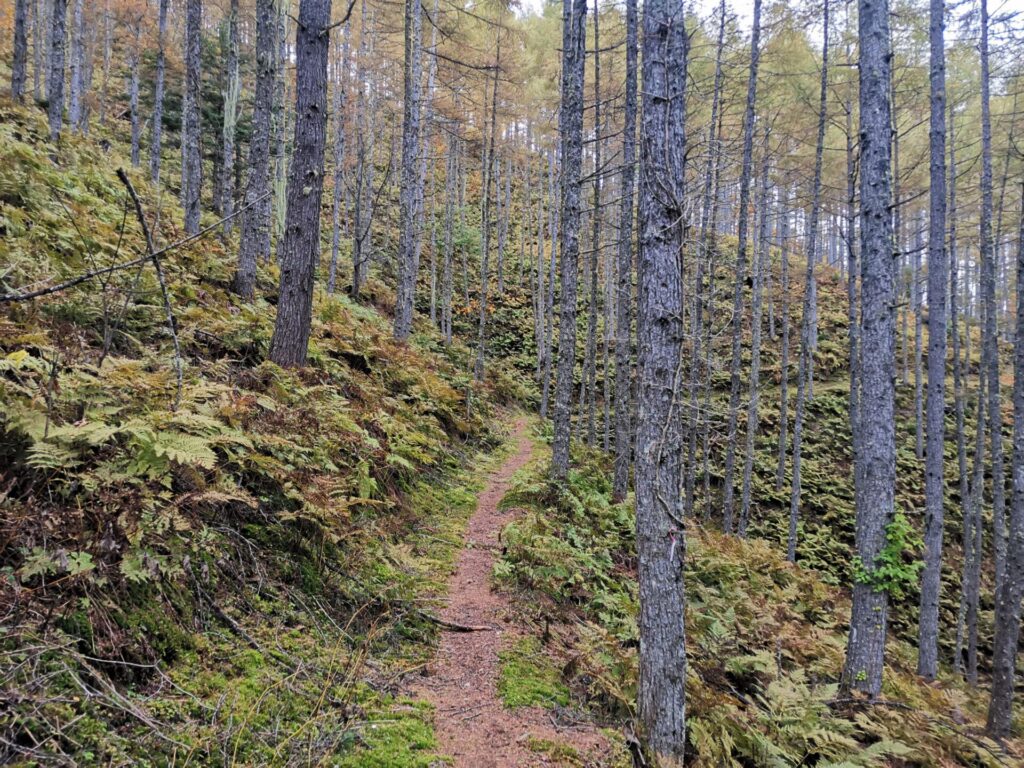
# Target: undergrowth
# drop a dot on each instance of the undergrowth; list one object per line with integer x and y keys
{"x": 765, "y": 641}
{"x": 238, "y": 574}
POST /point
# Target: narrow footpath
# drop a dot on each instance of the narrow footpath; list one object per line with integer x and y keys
{"x": 473, "y": 726}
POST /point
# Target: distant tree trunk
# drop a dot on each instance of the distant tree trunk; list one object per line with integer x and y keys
{"x": 728, "y": 503}
{"x": 192, "y": 175}
{"x": 549, "y": 300}
{"x": 756, "y": 320}
{"x": 780, "y": 472}
{"x": 624, "y": 286}
{"x": 76, "y": 94}
{"x": 426, "y": 167}
{"x": 699, "y": 321}
{"x": 232, "y": 94}
{"x": 134, "y": 54}
{"x": 570, "y": 123}
{"x": 916, "y": 304}
{"x": 55, "y": 79}
{"x": 934, "y": 481}
{"x": 974, "y": 536}
{"x": 990, "y": 338}
{"x": 301, "y": 250}
{"x": 588, "y": 403}
{"x": 1008, "y": 598}
{"x": 958, "y": 399}
{"x": 340, "y": 102}
{"x": 255, "y": 232}
{"x": 447, "y": 282}
{"x": 853, "y": 318}
{"x": 875, "y": 495}
{"x": 361, "y": 218}
{"x": 279, "y": 180}
{"x": 19, "y": 66}
{"x": 804, "y": 374}
{"x": 408, "y": 257}
{"x": 39, "y": 50}
{"x": 661, "y": 544}
{"x": 503, "y": 217}
{"x": 485, "y": 222}
{"x": 157, "y": 128}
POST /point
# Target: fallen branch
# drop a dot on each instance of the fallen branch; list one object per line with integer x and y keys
{"x": 154, "y": 257}
{"x": 453, "y": 626}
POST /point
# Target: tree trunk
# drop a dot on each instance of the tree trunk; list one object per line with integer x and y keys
{"x": 741, "y": 275}
{"x": 990, "y": 339}
{"x": 447, "y": 282}
{"x": 157, "y": 128}
{"x": 408, "y": 258}
{"x": 19, "y": 67}
{"x": 570, "y": 124}
{"x": 232, "y": 94}
{"x": 337, "y": 210}
{"x": 757, "y": 309}
{"x": 916, "y": 304}
{"x": 865, "y": 652}
{"x": 76, "y": 93}
{"x": 805, "y": 373}
{"x": 780, "y": 471}
{"x": 590, "y": 356}
{"x": 134, "y": 54}
{"x": 699, "y": 322}
{"x": 255, "y": 232}
{"x": 934, "y": 485}
{"x": 55, "y": 79}
{"x": 301, "y": 249}
{"x": 192, "y": 175}
{"x": 1008, "y": 597}
{"x": 485, "y": 222}
{"x": 624, "y": 286}
{"x": 661, "y": 544}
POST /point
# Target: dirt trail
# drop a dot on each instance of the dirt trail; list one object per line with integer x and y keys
{"x": 472, "y": 724}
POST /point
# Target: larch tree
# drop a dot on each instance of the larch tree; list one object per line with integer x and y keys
{"x": 805, "y": 369}
{"x": 1006, "y": 637}
{"x": 255, "y": 230}
{"x": 159, "y": 80}
{"x": 624, "y": 285}
{"x": 661, "y": 543}
{"x": 192, "y": 138}
{"x": 570, "y": 125}
{"x": 300, "y": 251}
{"x": 55, "y": 76}
{"x": 728, "y": 502}
{"x": 938, "y": 274}
{"x": 19, "y": 65}
{"x": 408, "y": 255}
{"x": 874, "y": 494}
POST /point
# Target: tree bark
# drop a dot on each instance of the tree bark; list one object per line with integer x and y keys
{"x": 728, "y": 503}
{"x": 408, "y": 257}
{"x": 157, "y": 128}
{"x": 55, "y": 79}
{"x": 865, "y": 652}
{"x": 757, "y": 314}
{"x": 661, "y": 541}
{"x": 255, "y": 229}
{"x": 624, "y": 285}
{"x": 301, "y": 248}
{"x": 19, "y": 66}
{"x": 805, "y": 372}
{"x": 76, "y": 94}
{"x": 340, "y": 103}
{"x": 1008, "y": 598}
{"x": 192, "y": 175}
{"x": 990, "y": 338}
{"x": 232, "y": 94}
{"x": 570, "y": 123}
{"x": 934, "y": 485}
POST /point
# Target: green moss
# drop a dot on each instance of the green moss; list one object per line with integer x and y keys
{"x": 401, "y": 736}
{"x": 562, "y": 754}
{"x": 529, "y": 678}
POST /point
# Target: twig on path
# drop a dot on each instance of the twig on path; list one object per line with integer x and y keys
{"x": 453, "y": 626}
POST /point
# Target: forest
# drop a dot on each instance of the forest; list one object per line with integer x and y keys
{"x": 484, "y": 383}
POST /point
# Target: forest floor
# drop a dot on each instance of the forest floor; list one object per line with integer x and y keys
{"x": 472, "y": 722}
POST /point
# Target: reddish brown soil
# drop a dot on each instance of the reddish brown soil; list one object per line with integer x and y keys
{"x": 472, "y": 724}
